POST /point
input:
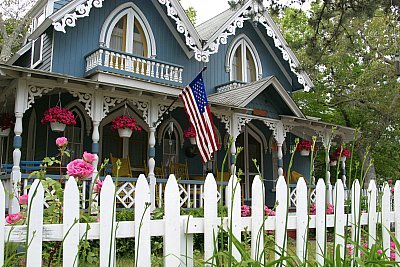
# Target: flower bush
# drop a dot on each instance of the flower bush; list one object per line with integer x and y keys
{"x": 89, "y": 157}
{"x": 6, "y": 121}
{"x": 246, "y": 211}
{"x": 330, "y": 209}
{"x": 124, "y": 121}
{"x": 189, "y": 133}
{"x": 97, "y": 187}
{"x": 58, "y": 114}
{"x": 23, "y": 199}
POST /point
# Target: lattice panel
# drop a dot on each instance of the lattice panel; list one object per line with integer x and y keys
{"x": 183, "y": 194}
{"x": 126, "y": 195}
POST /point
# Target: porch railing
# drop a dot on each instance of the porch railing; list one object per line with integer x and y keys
{"x": 105, "y": 59}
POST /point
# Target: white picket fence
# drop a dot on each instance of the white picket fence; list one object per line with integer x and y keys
{"x": 178, "y": 230}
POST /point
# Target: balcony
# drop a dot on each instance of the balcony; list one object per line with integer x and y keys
{"x": 115, "y": 62}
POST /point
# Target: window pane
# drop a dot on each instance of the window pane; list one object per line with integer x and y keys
{"x": 237, "y": 64}
{"x": 251, "y": 67}
{"x": 139, "y": 41}
{"x": 118, "y": 35}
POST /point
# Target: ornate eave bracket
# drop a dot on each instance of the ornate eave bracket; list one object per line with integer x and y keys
{"x": 86, "y": 99}
{"x": 144, "y": 107}
{"x": 80, "y": 11}
{"x": 34, "y": 92}
{"x": 279, "y": 130}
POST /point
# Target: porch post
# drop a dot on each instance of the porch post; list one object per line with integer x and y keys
{"x": 97, "y": 115}
{"x": 19, "y": 109}
{"x": 326, "y": 141}
{"x": 280, "y": 138}
{"x": 152, "y": 164}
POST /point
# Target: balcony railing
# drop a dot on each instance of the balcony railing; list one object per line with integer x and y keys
{"x": 104, "y": 59}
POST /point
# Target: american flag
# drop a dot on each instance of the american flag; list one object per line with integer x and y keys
{"x": 198, "y": 111}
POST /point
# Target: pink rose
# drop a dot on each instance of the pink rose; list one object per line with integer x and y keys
{"x": 61, "y": 141}
{"x": 79, "y": 169}
{"x": 97, "y": 187}
{"x": 14, "y": 217}
{"x": 246, "y": 211}
{"x": 379, "y": 251}
{"x": 89, "y": 157}
{"x": 268, "y": 211}
{"x": 23, "y": 200}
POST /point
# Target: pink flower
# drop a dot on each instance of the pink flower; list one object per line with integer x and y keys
{"x": 365, "y": 245}
{"x": 268, "y": 211}
{"x": 349, "y": 248}
{"x": 98, "y": 218}
{"x": 246, "y": 211}
{"x": 330, "y": 209}
{"x": 379, "y": 251}
{"x": 23, "y": 200}
{"x": 89, "y": 157}
{"x": 14, "y": 217}
{"x": 61, "y": 141}
{"x": 97, "y": 187}
{"x": 79, "y": 169}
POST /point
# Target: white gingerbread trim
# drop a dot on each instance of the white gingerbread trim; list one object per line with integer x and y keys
{"x": 86, "y": 99}
{"x": 35, "y": 91}
{"x": 177, "y": 127}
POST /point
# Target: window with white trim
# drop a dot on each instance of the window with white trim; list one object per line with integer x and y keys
{"x": 244, "y": 63}
{"x": 37, "y": 49}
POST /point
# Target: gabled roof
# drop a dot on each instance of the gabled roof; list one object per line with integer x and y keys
{"x": 209, "y": 27}
{"x": 241, "y": 96}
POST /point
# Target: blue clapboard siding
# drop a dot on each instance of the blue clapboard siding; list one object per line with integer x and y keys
{"x": 71, "y": 48}
{"x": 46, "y": 51}
{"x": 24, "y": 60}
{"x": 59, "y": 4}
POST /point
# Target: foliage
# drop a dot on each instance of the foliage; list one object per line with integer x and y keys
{"x": 121, "y": 122}
{"x": 58, "y": 114}
{"x": 6, "y": 121}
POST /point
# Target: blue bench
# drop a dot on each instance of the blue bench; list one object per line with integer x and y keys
{"x": 26, "y": 166}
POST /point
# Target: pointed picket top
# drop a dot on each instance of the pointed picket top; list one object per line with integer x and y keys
{"x": 320, "y": 222}
{"x": 302, "y": 218}
{"x": 372, "y": 214}
{"x": 71, "y": 224}
{"x": 142, "y": 222}
{"x": 2, "y": 222}
{"x": 107, "y": 223}
{"x": 386, "y": 219}
{"x": 397, "y": 215}
{"x": 35, "y": 220}
{"x": 257, "y": 219}
{"x": 280, "y": 218}
{"x": 172, "y": 243}
{"x": 340, "y": 219}
{"x": 210, "y": 218}
{"x": 234, "y": 212}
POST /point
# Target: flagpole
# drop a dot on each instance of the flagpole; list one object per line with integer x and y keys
{"x": 173, "y": 102}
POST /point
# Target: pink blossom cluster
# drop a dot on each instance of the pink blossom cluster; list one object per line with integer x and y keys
{"x": 61, "y": 142}
{"x": 392, "y": 251}
{"x": 97, "y": 187}
{"x": 124, "y": 121}
{"x": 246, "y": 211}
{"x": 14, "y": 218}
{"x": 23, "y": 199}
{"x": 6, "y": 121}
{"x": 189, "y": 133}
{"x": 58, "y": 114}
{"x": 330, "y": 209}
{"x": 81, "y": 168}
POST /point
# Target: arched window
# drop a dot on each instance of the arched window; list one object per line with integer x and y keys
{"x": 170, "y": 146}
{"x": 127, "y": 30}
{"x": 74, "y": 133}
{"x": 243, "y": 61}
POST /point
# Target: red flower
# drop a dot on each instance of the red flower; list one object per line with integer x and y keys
{"x": 345, "y": 152}
{"x": 58, "y": 114}
{"x": 304, "y": 145}
{"x": 124, "y": 121}
{"x": 189, "y": 133}
{"x": 6, "y": 121}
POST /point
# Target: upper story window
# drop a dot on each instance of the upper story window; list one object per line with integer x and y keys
{"x": 127, "y": 30}
{"x": 242, "y": 60}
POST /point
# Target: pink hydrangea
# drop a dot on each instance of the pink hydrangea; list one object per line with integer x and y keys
{"x": 349, "y": 248}
{"x": 61, "y": 141}
{"x": 392, "y": 251}
{"x": 23, "y": 200}
{"x": 14, "y": 217}
{"x": 246, "y": 211}
{"x": 97, "y": 187}
{"x": 89, "y": 157}
{"x": 379, "y": 251}
{"x": 79, "y": 169}
{"x": 268, "y": 211}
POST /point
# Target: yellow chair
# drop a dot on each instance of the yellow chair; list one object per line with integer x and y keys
{"x": 125, "y": 169}
{"x": 180, "y": 170}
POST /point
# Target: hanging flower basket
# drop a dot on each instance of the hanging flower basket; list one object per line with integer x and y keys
{"x": 333, "y": 159}
{"x": 7, "y": 121}
{"x": 304, "y": 147}
{"x": 344, "y": 153}
{"x": 58, "y": 118}
{"x": 125, "y": 126}
{"x": 305, "y": 152}
{"x": 190, "y": 134}
{"x": 333, "y": 162}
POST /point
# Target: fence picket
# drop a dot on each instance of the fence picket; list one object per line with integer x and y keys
{"x": 71, "y": 223}
{"x": 257, "y": 219}
{"x": 302, "y": 218}
{"x": 234, "y": 212}
{"x": 340, "y": 219}
{"x": 355, "y": 212}
{"x": 280, "y": 218}
{"x": 386, "y": 220}
{"x": 372, "y": 214}
{"x": 210, "y": 219}
{"x": 107, "y": 223}
{"x": 142, "y": 222}
{"x": 35, "y": 222}
{"x": 320, "y": 222}
{"x": 2, "y": 227}
{"x": 397, "y": 215}
{"x": 172, "y": 242}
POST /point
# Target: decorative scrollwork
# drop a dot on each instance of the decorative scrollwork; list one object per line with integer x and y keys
{"x": 242, "y": 121}
{"x": 225, "y": 119}
{"x": 144, "y": 108}
{"x": 86, "y": 99}
{"x": 81, "y": 11}
{"x": 108, "y": 103}
{"x": 161, "y": 109}
{"x": 35, "y": 91}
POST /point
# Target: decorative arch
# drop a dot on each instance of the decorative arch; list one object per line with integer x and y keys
{"x": 85, "y": 117}
{"x": 239, "y": 40}
{"x": 118, "y": 111}
{"x": 261, "y": 135}
{"x": 163, "y": 127}
{"x": 116, "y": 15}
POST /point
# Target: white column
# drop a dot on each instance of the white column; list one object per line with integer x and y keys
{"x": 279, "y": 135}
{"x": 326, "y": 141}
{"x": 152, "y": 164}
